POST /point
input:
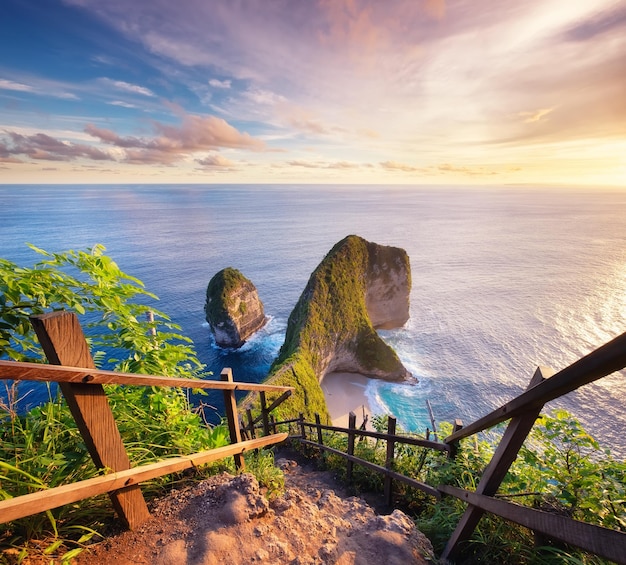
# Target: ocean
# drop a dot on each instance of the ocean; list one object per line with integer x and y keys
{"x": 504, "y": 278}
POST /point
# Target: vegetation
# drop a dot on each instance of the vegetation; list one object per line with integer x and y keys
{"x": 219, "y": 293}
{"x": 330, "y": 315}
{"x": 561, "y": 468}
{"x": 42, "y": 448}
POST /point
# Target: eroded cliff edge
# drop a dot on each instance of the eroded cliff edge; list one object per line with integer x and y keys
{"x": 359, "y": 286}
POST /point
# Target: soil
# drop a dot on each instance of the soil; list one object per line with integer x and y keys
{"x": 227, "y": 520}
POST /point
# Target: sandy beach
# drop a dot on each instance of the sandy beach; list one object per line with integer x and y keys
{"x": 345, "y": 393}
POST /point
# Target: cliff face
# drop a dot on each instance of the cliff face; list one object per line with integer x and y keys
{"x": 233, "y": 308}
{"x": 358, "y": 287}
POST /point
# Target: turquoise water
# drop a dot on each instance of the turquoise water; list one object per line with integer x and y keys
{"x": 504, "y": 279}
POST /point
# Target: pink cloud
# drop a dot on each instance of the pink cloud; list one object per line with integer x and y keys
{"x": 40, "y": 146}
{"x": 196, "y": 133}
{"x": 215, "y": 161}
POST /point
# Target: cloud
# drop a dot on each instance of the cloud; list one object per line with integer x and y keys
{"x": 323, "y": 164}
{"x": 470, "y": 171}
{"x": 172, "y": 143}
{"x": 220, "y": 83}
{"x": 396, "y": 166}
{"x": 602, "y": 23}
{"x": 10, "y": 85}
{"x": 121, "y": 104}
{"x": 216, "y": 161}
{"x": 40, "y": 146}
{"x": 536, "y": 116}
{"x": 127, "y": 87}
{"x": 46, "y": 88}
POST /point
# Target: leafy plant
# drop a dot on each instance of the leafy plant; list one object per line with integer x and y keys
{"x": 43, "y": 448}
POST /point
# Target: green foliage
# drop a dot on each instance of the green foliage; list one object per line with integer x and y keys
{"x": 220, "y": 290}
{"x": 91, "y": 283}
{"x": 43, "y": 448}
{"x": 560, "y": 468}
{"x": 261, "y": 464}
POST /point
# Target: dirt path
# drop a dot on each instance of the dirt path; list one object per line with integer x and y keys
{"x": 226, "y": 520}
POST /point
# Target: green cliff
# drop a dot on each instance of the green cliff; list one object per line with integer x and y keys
{"x": 330, "y": 328}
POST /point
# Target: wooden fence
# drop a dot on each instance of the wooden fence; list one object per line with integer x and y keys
{"x": 81, "y": 383}
{"x": 64, "y": 344}
{"x": 522, "y": 412}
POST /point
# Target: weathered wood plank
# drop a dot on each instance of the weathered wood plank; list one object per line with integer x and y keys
{"x": 610, "y": 544}
{"x": 232, "y": 417}
{"x": 506, "y": 452}
{"x": 63, "y": 341}
{"x": 378, "y": 468}
{"x": 264, "y": 414}
{"x": 284, "y": 396}
{"x": 389, "y": 457}
{"x": 381, "y": 435}
{"x": 17, "y": 370}
{"x": 603, "y": 361}
{"x": 29, "y": 504}
{"x": 351, "y": 428}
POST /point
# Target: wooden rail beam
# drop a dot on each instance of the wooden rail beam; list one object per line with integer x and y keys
{"x": 603, "y": 361}
{"x": 610, "y": 544}
{"x": 437, "y": 445}
{"x": 492, "y": 477}
{"x": 64, "y": 343}
{"x": 28, "y": 504}
{"x": 432, "y": 491}
{"x": 21, "y": 371}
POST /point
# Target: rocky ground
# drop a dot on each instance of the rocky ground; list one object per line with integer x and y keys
{"x": 226, "y": 520}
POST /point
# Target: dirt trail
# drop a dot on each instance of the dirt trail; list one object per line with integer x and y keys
{"x": 226, "y": 520}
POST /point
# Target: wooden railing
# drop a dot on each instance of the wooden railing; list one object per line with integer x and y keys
{"x": 81, "y": 383}
{"x": 522, "y": 412}
{"x": 391, "y": 438}
{"x": 64, "y": 344}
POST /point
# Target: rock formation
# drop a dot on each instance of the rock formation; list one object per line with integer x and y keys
{"x": 233, "y": 308}
{"x": 358, "y": 287}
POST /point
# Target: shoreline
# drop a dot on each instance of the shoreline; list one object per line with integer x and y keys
{"x": 345, "y": 393}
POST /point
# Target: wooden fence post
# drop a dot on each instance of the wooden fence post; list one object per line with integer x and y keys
{"x": 63, "y": 342}
{"x": 318, "y": 424}
{"x": 251, "y": 429}
{"x": 351, "y": 426}
{"x": 230, "y": 405}
{"x": 264, "y": 418}
{"x": 301, "y": 423}
{"x": 504, "y": 456}
{"x": 391, "y": 445}
{"x": 454, "y": 447}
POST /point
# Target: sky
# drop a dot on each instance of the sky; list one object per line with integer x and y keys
{"x": 313, "y": 91}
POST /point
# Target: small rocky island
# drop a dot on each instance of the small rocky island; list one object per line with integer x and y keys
{"x": 358, "y": 287}
{"x": 233, "y": 308}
